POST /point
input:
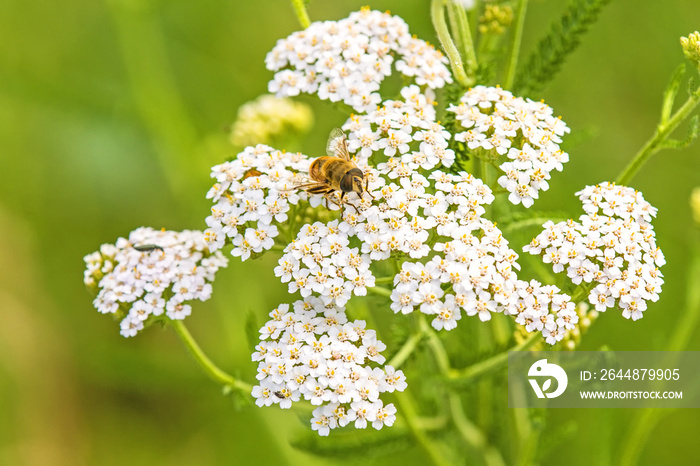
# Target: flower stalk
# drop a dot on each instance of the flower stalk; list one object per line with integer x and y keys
{"x": 516, "y": 38}
{"x": 301, "y": 13}
{"x": 656, "y": 143}
{"x": 463, "y": 36}
{"x": 216, "y": 374}
{"x": 438, "y": 15}
{"x": 468, "y": 374}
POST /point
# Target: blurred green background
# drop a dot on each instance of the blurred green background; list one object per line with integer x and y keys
{"x": 112, "y": 112}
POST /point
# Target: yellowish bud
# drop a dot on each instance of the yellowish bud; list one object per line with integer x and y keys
{"x": 496, "y": 19}
{"x": 691, "y": 47}
{"x": 270, "y": 120}
{"x": 695, "y": 205}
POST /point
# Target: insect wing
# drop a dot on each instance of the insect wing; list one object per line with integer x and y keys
{"x": 338, "y": 144}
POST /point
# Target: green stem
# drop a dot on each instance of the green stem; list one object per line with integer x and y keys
{"x": 582, "y": 291}
{"x": 469, "y": 432}
{"x": 515, "y": 45}
{"x": 209, "y": 367}
{"x": 380, "y": 291}
{"x": 406, "y": 350}
{"x": 384, "y": 280}
{"x": 455, "y": 27}
{"x": 438, "y": 14}
{"x": 441, "y": 357}
{"x": 463, "y": 35}
{"x": 654, "y": 144}
{"x": 687, "y": 324}
{"x": 472, "y": 434}
{"x": 470, "y": 373}
{"x": 529, "y": 222}
{"x": 409, "y": 413}
{"x": 302, "y": 15}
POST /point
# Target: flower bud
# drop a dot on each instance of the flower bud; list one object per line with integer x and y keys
{"x": 691, "y": 47}
{"x": 695, "y": 205}
{"x": 268, "y": 119}
{"x": 496, "y": 19}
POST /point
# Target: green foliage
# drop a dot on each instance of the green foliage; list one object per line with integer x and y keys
{"x": 356, "y": 445}
{"x": 562, "y": 39}
{"x": 671, "y": 93}
{"x": 530, "y": 219}
{"x": 691, "y": 135}
{"x": 467, "y": 359}
{"x": 452, "y": 93}
{"x": 239, "y": 400}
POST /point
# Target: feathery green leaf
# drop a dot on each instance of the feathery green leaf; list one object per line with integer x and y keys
{"x": 355, "y": 444}
{"x": 671, "y": 92}
{"x": 563, "y": 38}
{"x": 691, "y": 135}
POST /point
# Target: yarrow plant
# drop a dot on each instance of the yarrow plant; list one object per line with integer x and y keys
{"x": 612, "y": 245}
{"x": 526, "y": 132}
{"x": 153, "y": 273}
{"x": 347, "y": 60}
{"x": 446, "y": 170}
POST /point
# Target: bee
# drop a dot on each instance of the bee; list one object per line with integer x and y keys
{"x": 336, "y": 172}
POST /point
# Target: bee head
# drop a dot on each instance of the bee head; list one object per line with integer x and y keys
{"x": 352, "y": 181}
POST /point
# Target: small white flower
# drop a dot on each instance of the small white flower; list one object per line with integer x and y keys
{"x": 494, "y": 120}
{"x": 347, "y": 60}
{"x": 312, "y": 352}
{"x": 611, "y": 245}
{"x": 135, "y": 273}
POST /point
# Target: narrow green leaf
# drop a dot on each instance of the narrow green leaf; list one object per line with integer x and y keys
{"x": 691, "y": 135}
{"x": 563, "y": 37}
{"x": 356, "y": 444}
{"x": 671, "y": 92}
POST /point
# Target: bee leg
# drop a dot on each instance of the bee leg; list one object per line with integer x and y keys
{"x": 328, "y": 199}
{"x": 344, "y": 201}
{"x": 367, "y": 188}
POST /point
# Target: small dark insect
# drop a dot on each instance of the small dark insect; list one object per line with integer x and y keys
{"x": 336, "y": 172}
{"x": 279, "y": 395}
{"x": 147, "y": 247}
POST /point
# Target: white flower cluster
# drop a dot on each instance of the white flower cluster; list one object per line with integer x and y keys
{"x": 475, "y": 272}
{"x": 252, "y": 195}
{"x": 404, "y": 131}
{"x": 151, "y": 273}
{"x": 312, "y": 351}
{"x": 320, "y": 261}
{"x": 346, "y": 60}
{"x": 523, "y": 130}
{"x": 612, "y": 245}
{"x": 404, "y": 135}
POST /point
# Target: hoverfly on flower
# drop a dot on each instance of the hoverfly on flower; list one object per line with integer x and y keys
{"x": 336, "y": 172}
